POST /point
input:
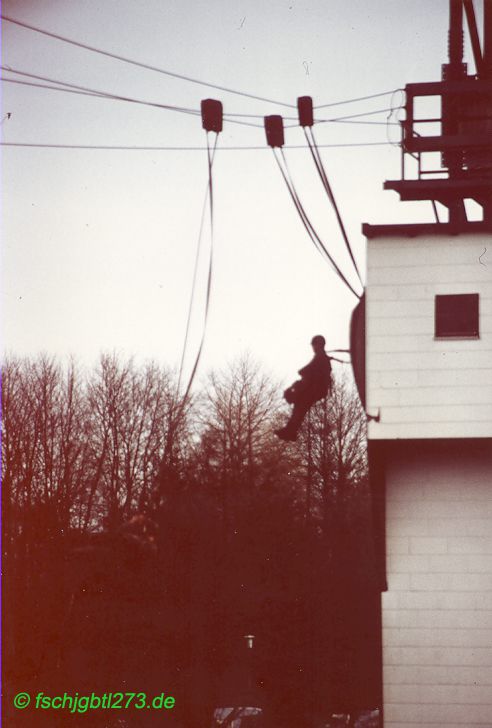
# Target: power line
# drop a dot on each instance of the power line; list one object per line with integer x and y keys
{"x": 110, "y": 147}
{"x": 80, "y": 90}
{"x": 107, "y": 94}
{"x": 52, "y": 88}
{"x": 366, "y": 123}
{"x": 334, "y": 118}
{"x": 355, "y": 116}
{"x": 66, "y": 86}
{"x": 360, "y": 98}
{"x": 95, "y": 93}
{"x": 69, "y": 87}
{"x": 139, "y": 64}
{"x": 173, "y": 74}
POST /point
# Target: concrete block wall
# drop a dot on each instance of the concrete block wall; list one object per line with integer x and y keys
{"x": 437, "y": 612}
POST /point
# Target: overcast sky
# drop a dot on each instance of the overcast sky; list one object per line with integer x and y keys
{"x": 99, "y": 245}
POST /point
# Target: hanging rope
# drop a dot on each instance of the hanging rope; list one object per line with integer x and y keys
{"x": 210, "y": 156}
{"x": 341, "y": 351}
{"x": 318, "y": 243}
{"x": 326, "y": 184}
{"x": 176, "y": 412}
{"x": 341, "y": 361}
{"x": 195, "y": 274}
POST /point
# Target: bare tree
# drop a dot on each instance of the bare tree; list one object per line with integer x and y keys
{"x": 238, "y": 513}
{"x": 238, "y": 454}
{"x": 43, "y": 438}
{"x": 130, "y": 415}
{"x": 43, "y": 443}
{"x": 332, "y": 450}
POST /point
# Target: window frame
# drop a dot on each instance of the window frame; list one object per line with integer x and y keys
{"x": 440, "y": 332}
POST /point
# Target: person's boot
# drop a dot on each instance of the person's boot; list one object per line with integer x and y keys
{"x": 285, "y": 434}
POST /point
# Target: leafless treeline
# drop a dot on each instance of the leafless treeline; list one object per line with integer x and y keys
{"x": 250, "y": 534}
{"x": 83, "y": 451}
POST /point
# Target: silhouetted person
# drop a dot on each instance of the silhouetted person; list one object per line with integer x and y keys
{"x": 315, "y": 383}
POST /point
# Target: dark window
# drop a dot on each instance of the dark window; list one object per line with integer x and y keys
{"x": 457, "y": 315}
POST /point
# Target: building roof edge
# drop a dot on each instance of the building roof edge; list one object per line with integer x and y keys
{"x": 413, "y": 230}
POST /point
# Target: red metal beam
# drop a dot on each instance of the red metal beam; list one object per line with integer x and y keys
{"x": 440, "y": 143}
{"x": 474, "y": 37}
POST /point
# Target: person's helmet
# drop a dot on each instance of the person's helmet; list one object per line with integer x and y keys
{"x": 318, "y": 341}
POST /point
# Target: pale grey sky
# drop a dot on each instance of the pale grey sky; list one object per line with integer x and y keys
{"x": 98, "y": 246}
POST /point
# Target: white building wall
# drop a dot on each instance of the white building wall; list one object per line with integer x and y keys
{"x": 423, "y": 387}
{"x": 437, "y": 612}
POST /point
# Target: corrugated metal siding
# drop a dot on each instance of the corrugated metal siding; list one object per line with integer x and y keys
{"x": 423, "y": 387}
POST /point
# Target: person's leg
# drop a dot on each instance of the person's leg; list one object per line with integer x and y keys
{"x": 298, "y": 414}
{"x": 289, "y": 432}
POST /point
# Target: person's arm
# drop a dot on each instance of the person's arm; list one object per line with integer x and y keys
{"x": 307, "y": 371}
